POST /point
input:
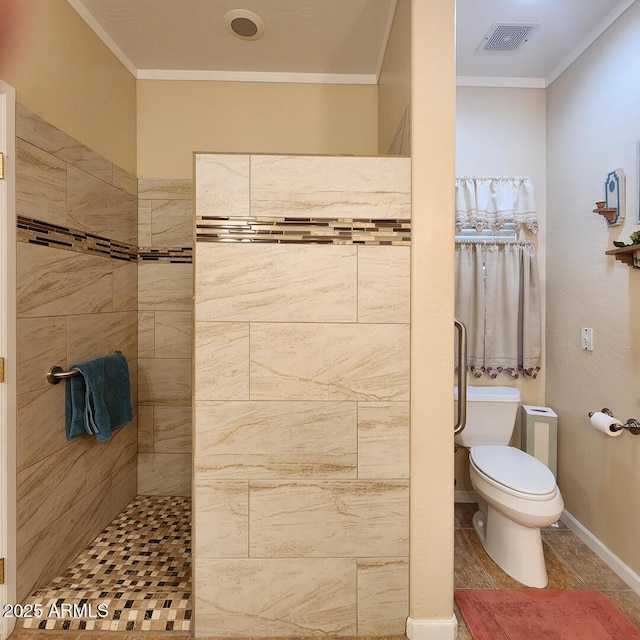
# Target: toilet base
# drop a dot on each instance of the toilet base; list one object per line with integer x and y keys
{"x": 516, "y": 549}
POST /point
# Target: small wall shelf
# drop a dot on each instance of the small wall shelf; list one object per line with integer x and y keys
{"x": 629, "y": 255}
{"x": 610, "y": 213}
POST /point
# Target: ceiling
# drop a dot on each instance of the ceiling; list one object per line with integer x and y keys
{"x": 336, "y": 41}
{"x": 566, "y": 28}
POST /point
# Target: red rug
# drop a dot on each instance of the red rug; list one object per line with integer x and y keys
{"x": 542, "y": 614}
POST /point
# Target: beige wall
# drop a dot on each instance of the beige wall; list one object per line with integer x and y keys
{"x": 592, "y": 118}
{"x": 64, "y": 73}
{"x": 433, "y": 126}
{"x": 72, "y": 305}
{"x": 177, "y": 118}
{"x": 301, "y": 451}
{"x": 394, "y": 87}
{"x": 502, "y": 132}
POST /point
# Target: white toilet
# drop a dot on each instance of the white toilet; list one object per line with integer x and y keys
{"x": 517, "y": 493}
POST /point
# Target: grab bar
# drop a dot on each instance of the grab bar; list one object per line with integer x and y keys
{"x": 462, "y": 376}
{"x": 57, "y": 373}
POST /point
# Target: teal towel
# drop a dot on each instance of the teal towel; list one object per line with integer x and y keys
{"x": 98, "y": 401}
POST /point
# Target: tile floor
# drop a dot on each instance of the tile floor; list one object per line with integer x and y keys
{"x": 570, "y": 565}
{"x": 139, "y": 567}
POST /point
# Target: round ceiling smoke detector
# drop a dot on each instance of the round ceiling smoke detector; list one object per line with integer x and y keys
{"x": 244, "y": 24}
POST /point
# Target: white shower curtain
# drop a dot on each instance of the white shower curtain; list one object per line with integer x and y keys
{"x": 498, "y": 298}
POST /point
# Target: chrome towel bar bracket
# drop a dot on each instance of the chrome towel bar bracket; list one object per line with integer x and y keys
{"x": 57, "y": 373}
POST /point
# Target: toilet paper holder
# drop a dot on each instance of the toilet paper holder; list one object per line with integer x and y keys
{"x": 631, "y": 425}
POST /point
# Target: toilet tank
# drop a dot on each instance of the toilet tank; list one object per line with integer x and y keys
{"x": 491, "y": 415}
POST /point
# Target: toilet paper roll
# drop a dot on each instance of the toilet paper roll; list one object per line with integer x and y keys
{"x": 602, "y": 422}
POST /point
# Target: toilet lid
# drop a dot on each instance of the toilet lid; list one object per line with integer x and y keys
{"x": 513, "y": 468}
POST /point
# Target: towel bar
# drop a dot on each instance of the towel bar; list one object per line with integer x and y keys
{"x": 57, "y": 373}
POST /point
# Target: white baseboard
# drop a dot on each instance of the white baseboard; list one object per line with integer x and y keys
{"x": 432, "y": 629}
{"x": 465, "y": 496}
{"x": 608, "y": 557}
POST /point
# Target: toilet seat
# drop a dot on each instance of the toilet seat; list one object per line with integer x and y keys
{"x": 513, "y": 471}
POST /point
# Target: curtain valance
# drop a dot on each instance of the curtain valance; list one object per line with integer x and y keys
{"x": 489, "y": 203}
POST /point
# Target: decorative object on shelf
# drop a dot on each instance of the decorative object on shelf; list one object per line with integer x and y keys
{"x": 615, "y": 193}
{"x": 609, "y": 213}
{"x": 627, "y": 253}
{"x": 613, "y": 207}
{"x": 634, "y": 237}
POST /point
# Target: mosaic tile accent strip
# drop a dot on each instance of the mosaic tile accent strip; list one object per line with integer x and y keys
{"x": 179, "y": 254}
{"x": 366, "y": 231}
{"x": 135, "y": 576}
{"x": 50, "y": 235}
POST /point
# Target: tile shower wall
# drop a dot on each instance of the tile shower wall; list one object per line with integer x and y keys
{"x": 301, "y": 396}
{"x": 165, "y": 298}
{"x": 77, "y": 299}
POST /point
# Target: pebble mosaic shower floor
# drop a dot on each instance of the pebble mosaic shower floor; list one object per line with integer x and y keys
{"x": 135, "y": 576}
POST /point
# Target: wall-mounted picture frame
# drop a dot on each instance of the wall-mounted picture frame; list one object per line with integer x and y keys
{"x": 614, "y": 189}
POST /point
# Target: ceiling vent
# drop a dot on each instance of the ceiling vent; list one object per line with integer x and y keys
{"x": 506, "y": 37}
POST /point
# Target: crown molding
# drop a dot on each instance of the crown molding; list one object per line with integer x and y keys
{"x": 257, "y": 76}
{"x": 385, "y": 41}
{"x": 84, "y": 13}
{"x": 504, "y": 82}
{"x": 589, "y": 39}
